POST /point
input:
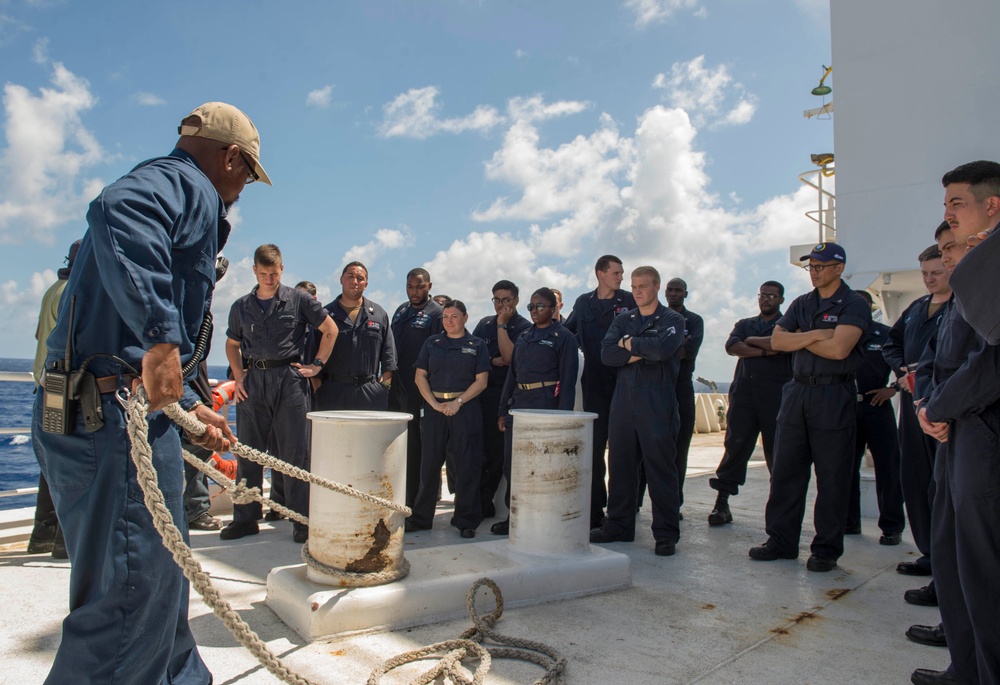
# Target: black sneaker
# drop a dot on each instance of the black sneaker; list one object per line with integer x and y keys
{"x": 501, "y": 527}
{"x": 237, "y": 530}
{"x": 768, "y": 552}
{"x": 819, "y": 564}
{"x": 721, "y": 514}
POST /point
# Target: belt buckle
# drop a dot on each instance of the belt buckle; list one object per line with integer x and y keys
{"x": 259, "y": 363}
{"x": 861, "y": 398}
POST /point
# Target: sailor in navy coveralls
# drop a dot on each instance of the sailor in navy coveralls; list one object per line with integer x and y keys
{"x": 589, "y": 321}
{"x": 817, "y": 422}
{"x": 267, "y": 332}
{"x": 907, "y": 342}
{"x": 962, "y": 412}
{"x": 499, "y": 333}
{"x": 643, "y": 343}
{"x": 412, "y": 323}
{"x": 542, "y": 375}
{"x": 452, "y": 371}
{"x": 877, "y": 431}
{"x": 359, "y": 371}
{"x": 754, "y": 398}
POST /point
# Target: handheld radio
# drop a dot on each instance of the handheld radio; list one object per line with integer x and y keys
{"x": 59, "y": 410}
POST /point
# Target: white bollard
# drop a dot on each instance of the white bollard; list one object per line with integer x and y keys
{"x": 551, "y": 467}
{"x": 366, "y": 450}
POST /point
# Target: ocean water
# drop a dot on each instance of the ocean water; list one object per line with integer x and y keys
{"x": 18, "y": 467}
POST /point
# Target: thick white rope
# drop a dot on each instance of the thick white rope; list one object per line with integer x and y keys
{"x": 142, "y": 456}
{"x": 467, "y": 646}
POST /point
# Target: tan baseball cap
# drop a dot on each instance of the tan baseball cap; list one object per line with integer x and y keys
{"x": 229, "y": 125}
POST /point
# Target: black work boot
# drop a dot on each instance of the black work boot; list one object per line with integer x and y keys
{"x": 721, "y": 514}
{"x": 42, "y": 539}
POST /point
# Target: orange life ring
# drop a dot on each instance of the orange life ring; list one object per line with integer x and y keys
{"x": 222, "y": 395}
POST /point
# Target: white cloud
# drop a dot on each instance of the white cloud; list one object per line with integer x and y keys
{"x": 706, "y": 93}
{"x": 148, "y": 99}
{"x": 520, "y": 54}
{"x": 413, "y": 114}
{"x": 40, "y": 51}
{"x": 646, "y": 197}
{"x": 468, "y": 269}
{"x": 20, "y": 310}
{"x": 385, "y": 239}
{"x": 655, "y": 11}
{"x": 48, "y": 150}
{"x": 320, "y": 97}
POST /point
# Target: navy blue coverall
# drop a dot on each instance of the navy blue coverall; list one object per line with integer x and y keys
{"x": 754, "y": 399}
{"x": 877, "y": 431}
{"x": 589, "y": 322}
{"x": 452, "y": 365}
{"x": 965, "y": 535}
{"x": 817, "y": 427}
{"x": 908, "y": 339}
{"x": 364, "y": 349}
{"x": 644, "y": 417}
{"x": 410, "y": 329}
{"x": 278, "y": 397}
{"x": 144, "y": 275}
{"x": 489, "y": 402}
{"x": 546, "y": 359}
{"x": 694, "y": 335}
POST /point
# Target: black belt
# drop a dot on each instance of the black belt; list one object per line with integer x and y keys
{"x": 272, "y": 363}
{"x": 109, "y": 384}
{"x": 825, "y": 380}
{"x": 362, "y": 379}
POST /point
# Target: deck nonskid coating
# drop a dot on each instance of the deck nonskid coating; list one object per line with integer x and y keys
{"x": 707, "y": 615}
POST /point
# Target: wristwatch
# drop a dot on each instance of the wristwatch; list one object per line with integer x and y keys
{"x": 318, "y": 362}
{"x": 459, "y": 400}
{"x": 502, "y": 325}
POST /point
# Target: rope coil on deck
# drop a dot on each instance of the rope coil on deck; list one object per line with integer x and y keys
{"x": 469, "y": 645}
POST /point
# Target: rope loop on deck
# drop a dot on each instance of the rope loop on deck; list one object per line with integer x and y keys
{"x": 469, "y": 646}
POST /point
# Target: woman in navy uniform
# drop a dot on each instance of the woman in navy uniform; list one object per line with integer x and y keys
{"x": 542, "y": 374}
{"x": 452, "y": 370}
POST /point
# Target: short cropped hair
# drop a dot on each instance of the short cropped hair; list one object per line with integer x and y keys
{"x": 308, "y": 286}
{"x": 558, "y": 293}
{"x": 505, "y": 285}
{"x": 457, "y": 304}
{"x": 418, "y": 272}
{"x": 928, "y": 254}
{"x": 942, "y": 227}
{"x": 647, "y": 271}
{"x": 605, "y": 262}
{"x": 983, "y": 178}
{"x": 774, "y": 284}
{"x": 547, "y": 295}
{"x": 267, "y": 255}
{"x": 867, "y": 295}
{"x": 355, "y": 263}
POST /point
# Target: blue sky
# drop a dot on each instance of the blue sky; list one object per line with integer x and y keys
{"x": 481, "y": 140}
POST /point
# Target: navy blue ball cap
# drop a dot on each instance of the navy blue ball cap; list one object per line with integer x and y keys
{"x": 826, "y": 252}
